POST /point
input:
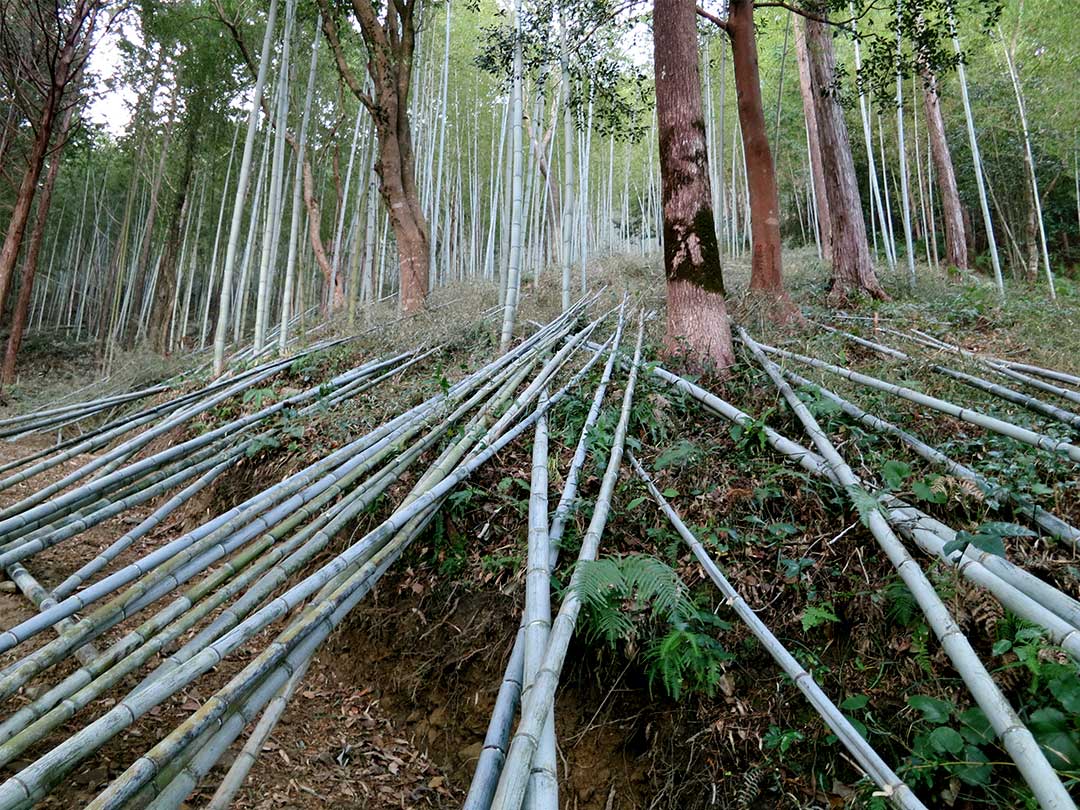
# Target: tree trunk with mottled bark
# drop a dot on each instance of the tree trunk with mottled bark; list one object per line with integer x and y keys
{"x": 766, "y": 265}
{"x": 390, "y": 38}
{"x": 951, "y": 209}
{"x": 853, "y": 270}
{"x": 813, "y": 137}
{"x": 697, "y": 321}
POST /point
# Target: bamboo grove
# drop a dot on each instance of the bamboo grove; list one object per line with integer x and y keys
{"x": 376, "y": 253}
{"x": 250, "y": 187}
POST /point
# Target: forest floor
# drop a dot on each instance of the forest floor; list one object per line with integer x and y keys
{"x": 393, "y": 712}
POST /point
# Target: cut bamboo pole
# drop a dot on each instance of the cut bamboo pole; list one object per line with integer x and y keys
{"x": 990, "y": 423}
{"x": 238, "y": 771}
{"x": 1014, "y": 736}
{"x": 543, "y": 788}
{"x": 537, "y": 706}
{"x": 894, "y": 788}
{"x": 493, "y": 754}
{"x": 1053, "y": 525}
{"x": 321, "y": 615}
{"x": 1001, "y": 367}
{"x": 1001, "y": 391}
{"x": 317, "y": 619}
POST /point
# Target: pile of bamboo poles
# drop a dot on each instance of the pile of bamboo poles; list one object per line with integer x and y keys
{"x": 522, "y": 769}
{"x": 1014, "y": 736}
{"x": 196, "y": 600}
{"x": 1017, "y": 590}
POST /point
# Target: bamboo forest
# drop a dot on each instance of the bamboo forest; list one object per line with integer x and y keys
{"x": 540, "y": 404}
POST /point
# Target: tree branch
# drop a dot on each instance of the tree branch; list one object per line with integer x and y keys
{"x": 346, "y": 73}
{"x": 802, "y": 12}
{"x": 713, "y": 18}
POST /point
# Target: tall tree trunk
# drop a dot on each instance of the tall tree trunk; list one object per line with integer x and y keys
{"x": 24, "y": 198}
{"x": 390, "y": 38}
{"x": 853, "y": 270}
{"x": 766, "y": 265}
{"x": 162, "y": 312}
{"x": 951, "y": 209}
{"x": 337, "y": 295}
{"x": 697, "y": 322}
{"x": 813, "y": 136}
{"x": 30, "y": 262}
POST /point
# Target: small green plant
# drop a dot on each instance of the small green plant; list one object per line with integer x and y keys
{"x": 259, "y": 396}
{"x": 751, "y": 434}
{"x": 817, "y": 615}
{"x": 777, "y": 739}
{"x": 638, "y": 599}
{"x": 989, "y": 536}
{"x": 949, "y": 741}
{"x": 265, "y": 441}
{"x": 681, "y": 454}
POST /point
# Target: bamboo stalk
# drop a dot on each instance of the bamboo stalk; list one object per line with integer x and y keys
{"x": 1008, "y": 394}
{"x": 537, "y": 706}
{"x": 1050, "y": 523}
{"x": 1014, "y": 736}
{"x": 319, "y": 618}
{"x": 991, "y": 423}
{"x": 543, "y": 788}
{"x": 880, "y": 773}
{"x": 493, "y": 754}
{"x": 142, "y": 699}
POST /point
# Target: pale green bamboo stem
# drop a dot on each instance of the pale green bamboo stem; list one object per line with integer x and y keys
{"x": 897, "y": 792}
{"x": 537, "y": 707}
{"x": 1014, "y": 736}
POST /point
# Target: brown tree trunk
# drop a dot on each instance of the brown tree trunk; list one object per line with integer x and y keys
{"x": 697, "y": 322}
{"x": 398, "y": 191}
{"x": 766, "y": 264}
{"x": 853, "y": 270}
{"x": 24, "y": 199}
{"x": 951, "y": 210}
{"x": 336, "y": 296}
{"x": 30, "y": 262}
{"x": 813, "y": 137}
{"x": 390, "y": 38}
{"x": 67, "y": 55}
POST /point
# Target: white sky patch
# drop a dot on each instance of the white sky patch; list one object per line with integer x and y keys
{"x": 111, "y": 106}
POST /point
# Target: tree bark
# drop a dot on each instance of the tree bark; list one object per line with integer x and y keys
{"x": 853, "y": 270}
{"x": 766, "y": 264}
{"x": 337, "y": 296}
{"x": 817, "y": 175}
{"x": 66, "y": 56}
{"x": 697, "y": 322}
{"x": 30, "y": 262}
{"x": 390, "y": 39}
{"x": 951, "y": 210}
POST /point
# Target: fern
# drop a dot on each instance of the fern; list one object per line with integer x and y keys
{"x": 901, "y": 606}
{"x": 629, "y": 597}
